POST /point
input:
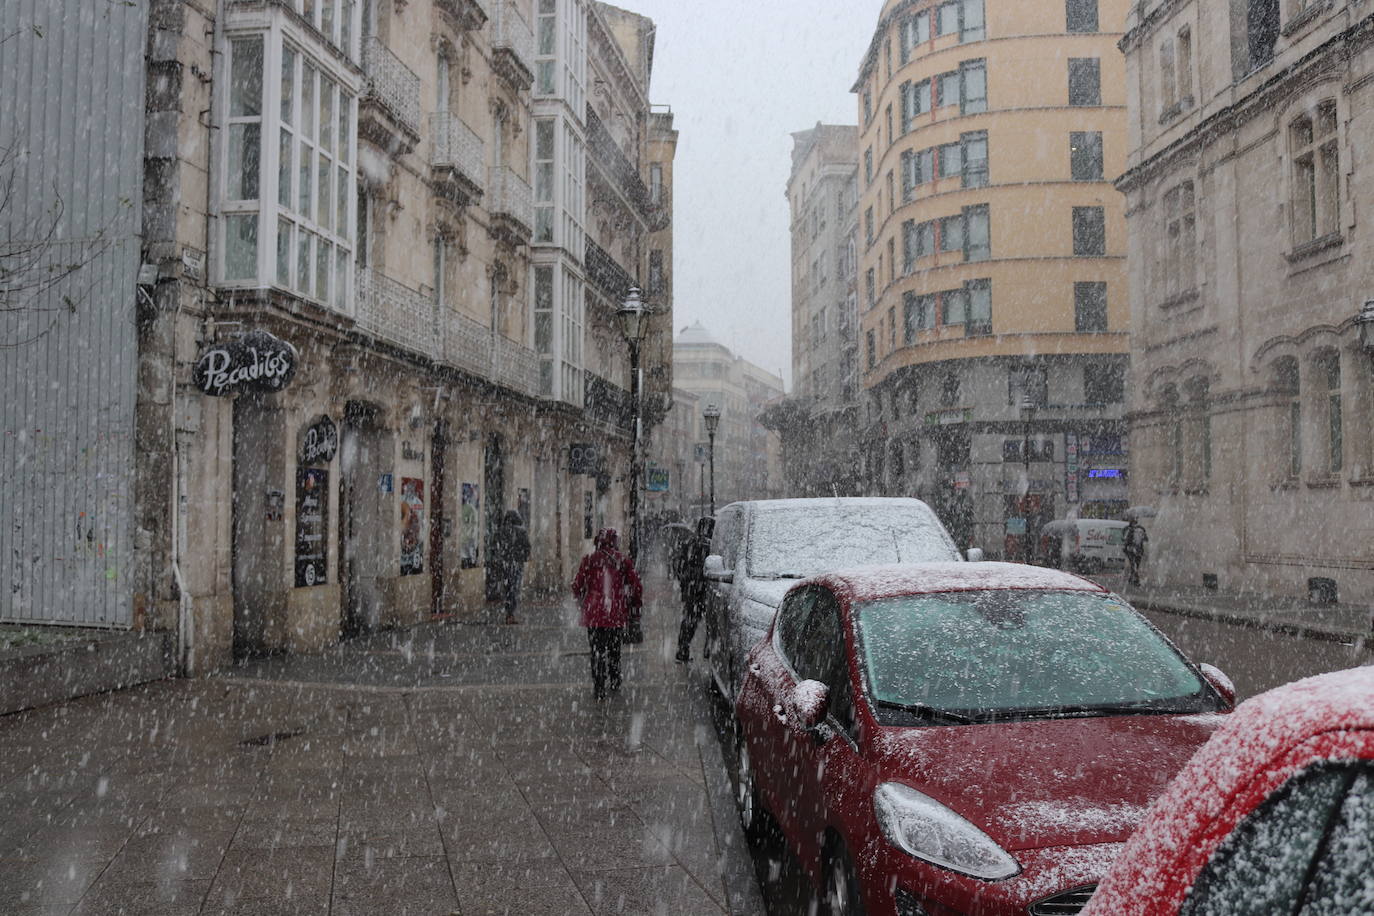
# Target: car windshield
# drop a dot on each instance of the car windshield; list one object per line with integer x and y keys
{"x": 1020, "y": 653}
{"x": 804, "y": 542}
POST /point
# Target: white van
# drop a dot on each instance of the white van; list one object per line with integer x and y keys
{"x": 762, "y": 547}
{"x": 1088, "y": 545}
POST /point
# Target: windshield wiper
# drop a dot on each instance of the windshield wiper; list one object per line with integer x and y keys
{"x": 1086, "y": 710}
{"x": 929, "y": 713}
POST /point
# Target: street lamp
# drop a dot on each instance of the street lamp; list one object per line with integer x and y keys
{"x": 712, "y": 417}
{"x": 633, "y": 317}
{"x": 1365, "y": 322}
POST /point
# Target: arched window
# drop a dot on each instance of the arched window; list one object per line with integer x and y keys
{"x": 1286, "y": 382}
{"x": 1327, "y": 380}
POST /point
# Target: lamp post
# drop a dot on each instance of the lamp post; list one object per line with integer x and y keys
{"x": 1365, "y": 322}
{"x": 633, "y": 317}
{"x": 712, "y": 417}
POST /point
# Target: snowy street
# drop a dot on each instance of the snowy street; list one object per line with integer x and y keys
{"x": 448, "y": 769}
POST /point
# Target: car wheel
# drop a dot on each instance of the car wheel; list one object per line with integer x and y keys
{"x": 759, "y": 826}
{"x": 841, "y": 885}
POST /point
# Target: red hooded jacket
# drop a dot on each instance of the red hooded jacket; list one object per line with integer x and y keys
{"x": 607, "y": 585}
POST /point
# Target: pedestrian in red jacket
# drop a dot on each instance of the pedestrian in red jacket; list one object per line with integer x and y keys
{"x": 609, "y": 591}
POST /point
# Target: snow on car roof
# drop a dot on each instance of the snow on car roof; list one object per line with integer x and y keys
{"x": 774, "y": 505}
{"x": 1262, "y": 729}
{"x": 911, "y": 578}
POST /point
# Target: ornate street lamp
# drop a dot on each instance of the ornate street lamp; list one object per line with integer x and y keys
{"x": 633, "y": 318}
{"x": 711, "y": 415}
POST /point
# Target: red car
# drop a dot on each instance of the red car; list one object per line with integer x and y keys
{"x": 1275, "y": 815}
{"x": 961, "y": 738}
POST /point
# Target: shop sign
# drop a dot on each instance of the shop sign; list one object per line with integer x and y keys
{"x": 312, "y": 507}
{"x": 256, "y": 362}
{"x": 582, "y": 458}
{"x": 1106, "y": 473}
{"x": 319, "y": 442}
{"x": 411, "y": 453}
{"x": 412, "y": 526}
{"x": 656, "y": 479}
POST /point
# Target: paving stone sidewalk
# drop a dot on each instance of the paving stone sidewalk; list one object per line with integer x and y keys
{"x": 1352, "y": 624}
{"x": 453, "y": 768}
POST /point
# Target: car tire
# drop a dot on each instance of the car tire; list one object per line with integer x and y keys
{"x": 760, "y": 829}
{"x": 840, "y": 894}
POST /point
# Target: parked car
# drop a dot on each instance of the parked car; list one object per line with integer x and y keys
{"x": 1274, "y": 815}
{"x": 962, "y": 737}
{"x": 1087, "y": 545}
{"x": 761, "y": 547}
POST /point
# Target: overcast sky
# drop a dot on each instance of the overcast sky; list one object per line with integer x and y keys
{"x": 741, "y": 77}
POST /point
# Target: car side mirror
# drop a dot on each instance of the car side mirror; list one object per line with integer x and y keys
{"x": 1218, "y": 679}
{"x": 975, "y": 554}
{"x": 715, "y": 570}
{"x": 808, "y": 702}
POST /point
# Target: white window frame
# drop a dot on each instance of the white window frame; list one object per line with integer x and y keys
{"x": 279, "y": 34}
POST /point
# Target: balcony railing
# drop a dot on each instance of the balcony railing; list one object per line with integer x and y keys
{"x": 509, "y": 197}
{"x": 467, "y": 14}
{"x": 392, "y": 84}
{"x": 608, "y": 402}
{"x": 455, "y": 146}
{"x": 392, "y": 311}
{"x": 512, "y": 45}
{"x": 612, "y": 159}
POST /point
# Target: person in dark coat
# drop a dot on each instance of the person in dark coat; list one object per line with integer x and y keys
{"x": 609, "y": 590}
{"x": 1135, "y": 540}
{"x": 510, "y": 548}
{"x": 692, "y": 582}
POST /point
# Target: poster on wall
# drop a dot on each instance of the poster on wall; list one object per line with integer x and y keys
{"x": 412, "y": 526}
{"x": 522, "y": 505}
{"x": 468, "y": 516}
{"x": 312, "y": 507}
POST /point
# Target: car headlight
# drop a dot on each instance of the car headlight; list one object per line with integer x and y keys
{"x": 926, "y": 829}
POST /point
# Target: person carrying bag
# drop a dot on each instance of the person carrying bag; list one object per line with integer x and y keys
{"x": 610, "y": 593}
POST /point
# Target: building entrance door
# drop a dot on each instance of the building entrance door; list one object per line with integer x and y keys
{"x": 366, "y": 487}
{"x": 438, "y": 519}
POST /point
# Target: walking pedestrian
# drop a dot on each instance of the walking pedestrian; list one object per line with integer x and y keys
{"x": 609, "y": 591}
{"x": 1135, "y": 539}
{"x": 692, "y": 585}
{"x": 510, "y": 548}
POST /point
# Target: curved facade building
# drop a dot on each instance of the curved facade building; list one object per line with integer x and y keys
{"x": 992, "y": 283}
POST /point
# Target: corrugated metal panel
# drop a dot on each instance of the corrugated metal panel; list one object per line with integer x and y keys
{"x": 71, "y": 130}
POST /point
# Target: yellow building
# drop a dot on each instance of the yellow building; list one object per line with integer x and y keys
{"x": 992, "y": 286}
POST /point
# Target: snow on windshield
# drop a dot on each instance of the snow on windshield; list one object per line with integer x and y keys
{"x": 810, "y": 540}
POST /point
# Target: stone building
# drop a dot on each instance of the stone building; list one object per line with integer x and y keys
{"x": 992, "y": 299}
{"x": 821, "y": 455}
{"x": 1252, "y": 410}
{"x": 748, "y": 455}
{"x": 351, "y": 360}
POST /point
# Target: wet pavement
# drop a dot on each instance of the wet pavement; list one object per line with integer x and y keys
{"x": 453, "y": 768}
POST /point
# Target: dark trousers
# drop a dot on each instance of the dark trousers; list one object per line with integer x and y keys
{"x": 605, "y": 645}
{"x": 1133, "y": 568}
{"x": 693, "y": 606}
{"x": 511, "y": 574}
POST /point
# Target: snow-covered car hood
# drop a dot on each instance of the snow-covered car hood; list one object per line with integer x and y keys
{"x": 1029, "y": 785}
{"x": 765, "y": 591}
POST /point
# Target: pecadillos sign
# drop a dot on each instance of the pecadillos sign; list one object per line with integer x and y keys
{"x": 257, "y": 362}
